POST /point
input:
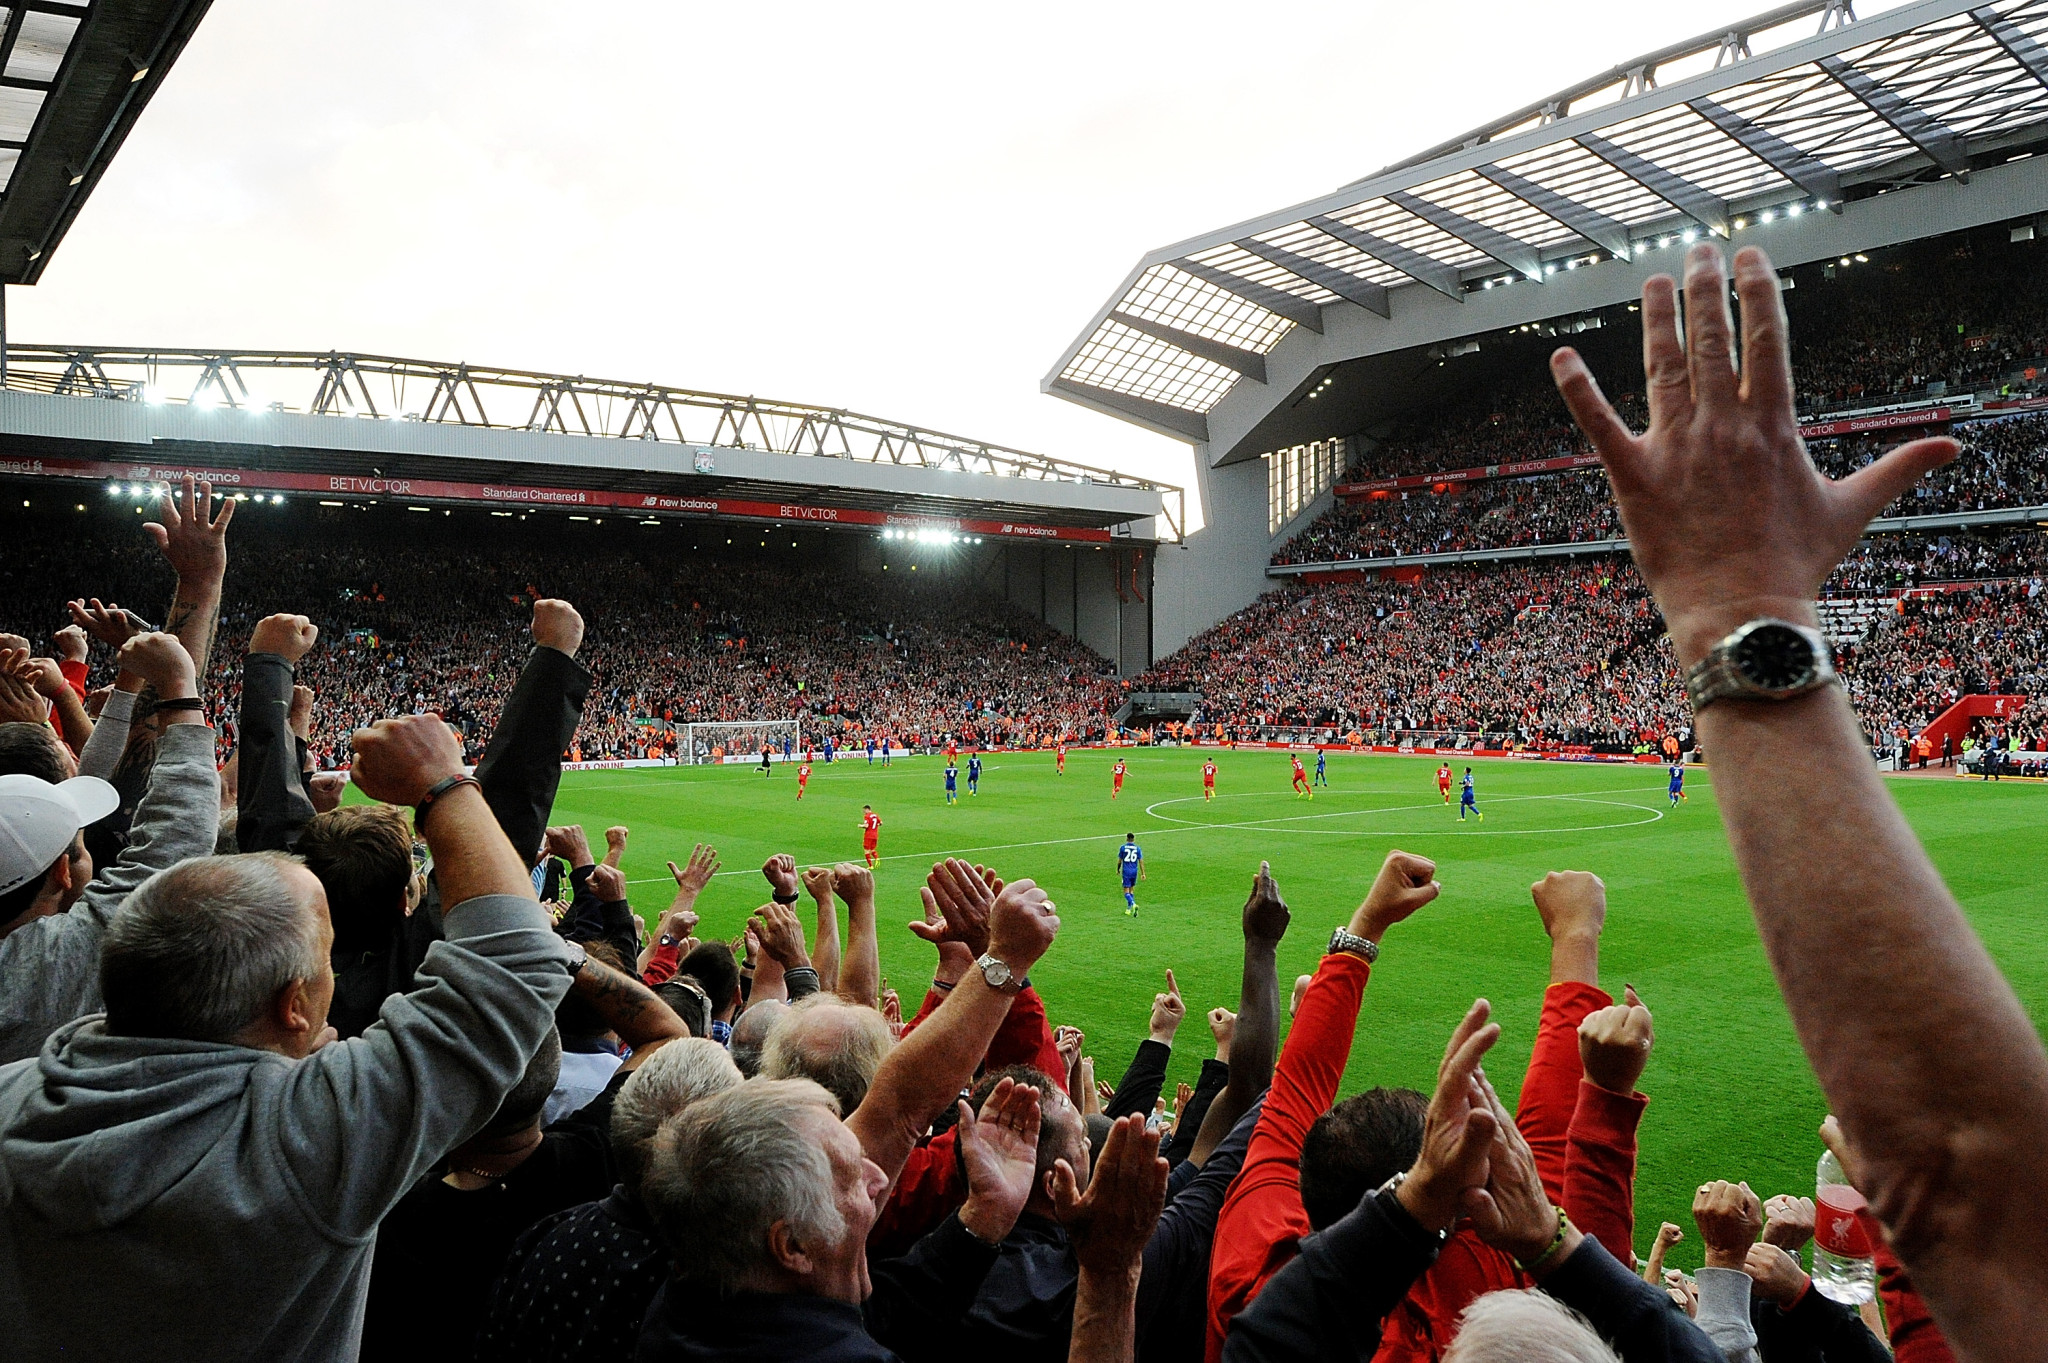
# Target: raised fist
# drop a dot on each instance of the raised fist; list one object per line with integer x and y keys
{"x": 290, "y": 637}
{"x": 556, "y": 625}
{"x": 399, "y": 760}
{"x": 1404, "y": 884}
{"x": 1614, "y": 1044}
{"x": 162, "y": 661}
{"x": 1572, "y": 903}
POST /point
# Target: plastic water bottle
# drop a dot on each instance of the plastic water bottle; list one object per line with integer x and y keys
{"x": 1842, "y": 1268}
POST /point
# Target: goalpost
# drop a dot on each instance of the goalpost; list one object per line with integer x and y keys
{"x": 739, "y": 740}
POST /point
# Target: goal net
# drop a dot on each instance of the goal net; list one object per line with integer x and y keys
{"x": 739, "y": 741}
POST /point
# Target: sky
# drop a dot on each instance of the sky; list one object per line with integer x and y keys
{"x": 904, "y": 209}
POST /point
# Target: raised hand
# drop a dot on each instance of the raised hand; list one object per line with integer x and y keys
{"x": 556, "y": 625}
{"x": 1668, "y": 1235}
{"x": 780, "y": 873}
{"x": 1109, "y": 1224}
{"x": 615, "y": 844}
{"x": 20, "y": 702}
{"x": 999, "y": 1150}
{"x": 1730, "y": 1218}
{"x": 1457, "y": 1129}
{"x": 1265, "y": 912}
{"x": 1222, "y": 1027}
{"x": 1105, "y": 1092}
{"x": 1572, "y": 904}
{"x": 853, "y": 882}
{"x": 1776, "y": 1274}
{"x": 1513, "y": 1212}
{"x": 162, "y": 662}
{"x": 781, "y": 935}
{"x": 398, "y": 760}
{"x": 1726, "y": 516}
{"x": 44, "y": 675}
{"x": 608, "y": 883}
{"x": 1021, "y": 926}
{"x": 962, "y": 898}
{"x": 190, "y": 535}
{"x": 1614, "y": 1043}
{"x": 290, "y": 637}
{"x": 818, "y": 881}
{"x": 71, "y": 644}
{"x": 1167, "y": 1011}
{"x": 1069, "y": 1041}
{"x": 109, "y": 624}
{"x": 1788, "y": 1221}
{"x": 695, "y": 874}
{"x": 569, "y": 842}
{"x": 299, "y": 716}
{"x": 324, "y": 789}
{"x": 1404, "y": 884}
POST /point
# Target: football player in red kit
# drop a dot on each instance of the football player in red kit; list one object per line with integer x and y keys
{"x": 1209, "y": 779}
{"x": 1443, "y": 781}
{"x": 870, "y": 834}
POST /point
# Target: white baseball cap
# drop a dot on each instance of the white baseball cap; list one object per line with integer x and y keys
{"x": 39, "y": 820}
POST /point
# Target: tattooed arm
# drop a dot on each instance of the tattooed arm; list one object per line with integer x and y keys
{"x": 628, "y": 1007}
{"x": 194, "y": 539}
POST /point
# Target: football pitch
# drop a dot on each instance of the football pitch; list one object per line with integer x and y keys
{"x": 1731, "y": 1095}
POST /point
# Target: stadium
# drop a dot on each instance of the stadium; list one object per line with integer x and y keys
{"x": 461, "y": 820}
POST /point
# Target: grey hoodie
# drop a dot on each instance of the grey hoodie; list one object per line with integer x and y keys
{"x": 50, "y": 967}
{"x": 192, "y": 1200}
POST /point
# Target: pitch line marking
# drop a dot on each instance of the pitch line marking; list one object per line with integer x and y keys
{"x": 1190, "y": 826}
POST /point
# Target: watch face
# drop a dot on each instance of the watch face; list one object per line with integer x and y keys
{"x": 1775, "y": 658}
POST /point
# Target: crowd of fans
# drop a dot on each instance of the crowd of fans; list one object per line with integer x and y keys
{"x": 1573, "y": 654}
{"x": 287, "y": 1078}
{"x": 2004, "y": 464}
{"x": 311, "y": 1083}
{"x": 1537, "y": 654}
{"x": 414, "y": 621}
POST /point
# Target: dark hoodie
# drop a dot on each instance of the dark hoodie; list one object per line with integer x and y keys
{"x": 180, "y": 1199}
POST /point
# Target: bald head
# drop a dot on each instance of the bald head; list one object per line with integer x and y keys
{"x": 750, "y": 1033}
{"x": 835, "y": 1044}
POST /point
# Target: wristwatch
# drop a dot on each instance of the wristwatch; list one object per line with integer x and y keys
{"x": 998, "y": 975}
{"x": 1765, "y": 659}
{"x": 1401, "y": 1216}
{"x": 578, "y": 958}
{"x": 1343, "y": 939}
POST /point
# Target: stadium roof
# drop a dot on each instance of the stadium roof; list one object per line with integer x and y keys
{"x": 1794, "y": 111}
{"x": 74, "y": 76}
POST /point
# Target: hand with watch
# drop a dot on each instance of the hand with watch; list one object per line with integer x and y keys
{"x": 1404, "y": 884}
{"x": 1765, "y": 659}
{"x": 1022, "y": 923}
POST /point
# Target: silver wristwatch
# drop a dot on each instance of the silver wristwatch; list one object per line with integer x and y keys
{"x": 1344, "y": 939}
{"x": 1765, "y": 659}
{"x": 998, "y": 974}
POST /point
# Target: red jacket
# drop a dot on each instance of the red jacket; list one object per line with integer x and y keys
{"x": 1584, "y": 1146}
{"x": 931, "y": 1185}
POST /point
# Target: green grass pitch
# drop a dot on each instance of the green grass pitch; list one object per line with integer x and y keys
{"x": 1731, "y": 1094}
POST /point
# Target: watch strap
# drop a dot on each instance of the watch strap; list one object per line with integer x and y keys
{"x": 1343, "y": 939}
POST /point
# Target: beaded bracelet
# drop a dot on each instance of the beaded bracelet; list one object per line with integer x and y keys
{"x": 1564, "y": 1223}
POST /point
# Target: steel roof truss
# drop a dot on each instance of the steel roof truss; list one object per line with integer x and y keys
{"x": 1774, "y": 151}
{"x": 1594, "y": 226}
{"x": 1708, "y": 210}
{"x": 1414, "y": 264}
{"x": 1918, "y": 126}
{"x": 1518, "y": 255}
{"x": 1368, "y": 295}
{"x": 2008, "y": 35}
{"x": 1293, "y": 307}
{"x": 1249, "y": 363}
